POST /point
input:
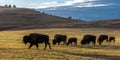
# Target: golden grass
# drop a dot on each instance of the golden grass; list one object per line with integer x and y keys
{"x": 12, "y": 47}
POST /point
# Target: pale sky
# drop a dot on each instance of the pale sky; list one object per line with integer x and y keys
{"x": 52, "y": 3}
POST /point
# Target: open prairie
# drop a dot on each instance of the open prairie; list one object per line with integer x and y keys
{"x": 12, "y": 47}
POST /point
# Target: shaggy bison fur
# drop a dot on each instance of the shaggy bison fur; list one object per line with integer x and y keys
{"x": 88, "y": 38}
{"x": 59, "y": 38}
{"x": 70, "y": 40}
{"x": 35, "y": 39}
{"x": 102, "y": 38}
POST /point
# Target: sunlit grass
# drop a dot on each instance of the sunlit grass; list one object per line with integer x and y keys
{"x": 12, "y": 47}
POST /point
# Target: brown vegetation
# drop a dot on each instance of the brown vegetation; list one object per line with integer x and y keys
{"x": 22, "y": 18}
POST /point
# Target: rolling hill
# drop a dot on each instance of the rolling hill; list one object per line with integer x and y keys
{"x": 22, "y": 18}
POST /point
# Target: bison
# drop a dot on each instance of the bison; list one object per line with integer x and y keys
{"x": 102, "y": 38}
{"x": 70, "y": 40}
{"x": 88, "y": 38}
{"x": 59, "y": 38}
{"x": 112, "y": 39}
{"x": 35, "y": 39}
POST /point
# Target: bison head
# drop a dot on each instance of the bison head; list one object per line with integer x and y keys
{"x": 25, "y": 39}
{"x": 54, "y": 42}
{"x": 83, "y": 42}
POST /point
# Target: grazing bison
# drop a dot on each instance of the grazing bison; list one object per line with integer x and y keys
{"x": 35, "y": 38}
{"x": 112, "y": 39}
{"x": 70, "y": 40}
{"x": 88, "y": 38}
{"x": 59, "y": 38}
{"x": 102, "y": 38}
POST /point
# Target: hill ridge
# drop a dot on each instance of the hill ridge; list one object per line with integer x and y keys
{"x": 23, "y": 18}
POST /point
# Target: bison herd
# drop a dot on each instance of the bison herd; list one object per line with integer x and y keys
{"x": 35, "y": 39}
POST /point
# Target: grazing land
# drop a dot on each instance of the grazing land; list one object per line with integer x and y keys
{"x": 12, "y": 47}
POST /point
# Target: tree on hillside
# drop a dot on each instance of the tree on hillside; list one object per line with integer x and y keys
{"x": 14, "y": 6}
{"x": 69, "y": 17}
{"x": 9, "y": 6}
{"x": 6, "y": 5}
{"x": 43, "y": 12}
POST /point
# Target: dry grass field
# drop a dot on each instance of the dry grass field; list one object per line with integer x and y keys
{"x": 12, "y": 47}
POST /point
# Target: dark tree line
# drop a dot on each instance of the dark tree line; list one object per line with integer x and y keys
{"x": 76, "y": 19}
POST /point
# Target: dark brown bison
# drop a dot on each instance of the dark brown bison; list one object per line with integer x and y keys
{"x": 35, "y": 38}
{"x": 102, "y": 38}
{"x": 70, "y": 40}
{"x": 112, "y": 39}
{"x": 88, "y": 38}
{"x": 59, "y": 38}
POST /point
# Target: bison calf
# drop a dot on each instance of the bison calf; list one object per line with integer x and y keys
{"x": 88, "y": 38}
{"x": 112, "y": 39}
{"x": 102, "y": 38}
{"x": 70, "y": 40}
{"x": 35, "y": 39}
{"x": 59, "y": 38}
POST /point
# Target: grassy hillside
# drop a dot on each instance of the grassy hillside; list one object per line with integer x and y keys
{"x": 22, "y": 18}
{"x": 12, "y": 47}
{"x": 113, "y": 23}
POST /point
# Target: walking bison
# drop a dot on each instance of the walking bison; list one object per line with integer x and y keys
{"x": 88, "y": 38}
{"x": 59, "y": 38}
{"x": 112, "y": 39}
{"x": 70, "y": 40}
{"x": 102, "y": 38}
{"x": 35, "y": 39}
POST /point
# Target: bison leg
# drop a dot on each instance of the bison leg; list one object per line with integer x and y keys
{"x": 71, "y": 43}
{"x": 49, "y": 45}
{"x": 100, "y": 43}
{"x": 109, "y": 40}
{"x": 58, "y": 43}
{"x": 37, "y": 46}
{"x": 114, "y": 40}
{"x": 75, "y": 43}
{"x": 93, "y": 42}
{"x": 30, "y": 46}
{"x": 45, "y": 45}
